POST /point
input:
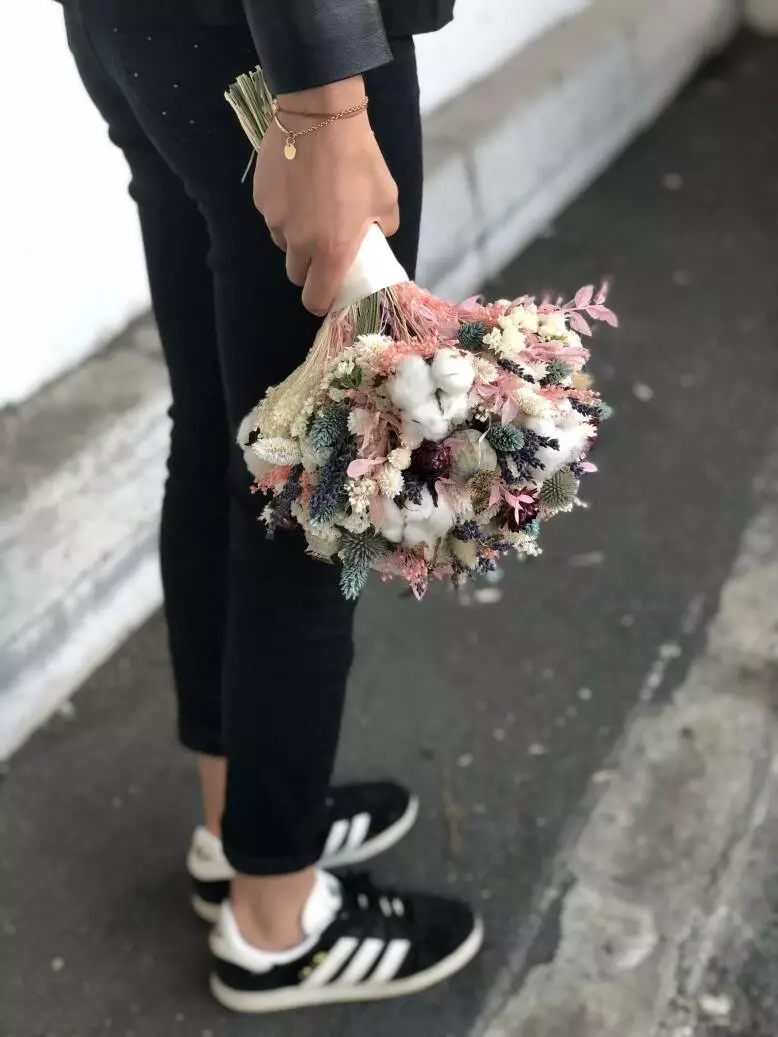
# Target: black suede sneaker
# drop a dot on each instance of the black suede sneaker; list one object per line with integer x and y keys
{"x": 360, "y": 943}
{"x": 363, "y": 820}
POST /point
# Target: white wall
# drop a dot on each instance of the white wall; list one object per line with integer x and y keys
{"x": 70, "y": 256}
{"x": 484, "y": 34}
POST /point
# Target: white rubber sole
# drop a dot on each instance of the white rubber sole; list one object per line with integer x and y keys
{"x": 302, "y": 997}
{"x": 209, "y": 912}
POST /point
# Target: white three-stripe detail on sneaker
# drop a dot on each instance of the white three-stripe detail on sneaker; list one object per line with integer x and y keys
{"x": 333, "y": 963}
{"x": 347, "y": 834}
{"x": 358, "y": 970}
{"x": 337, "y": 837}
{"x": 362, "y": 962}
{"x": 360, "y": 826}
{"x": 392, "y": 961}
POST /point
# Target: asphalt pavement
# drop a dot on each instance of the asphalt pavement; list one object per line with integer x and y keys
{"x": 500, "y": 706}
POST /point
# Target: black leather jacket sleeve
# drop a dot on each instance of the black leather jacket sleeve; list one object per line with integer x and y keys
{"x": 308, "y": 43}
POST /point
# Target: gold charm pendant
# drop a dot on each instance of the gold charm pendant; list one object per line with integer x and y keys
{"x": 290, "y": 149}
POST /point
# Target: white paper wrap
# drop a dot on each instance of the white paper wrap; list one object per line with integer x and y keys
{"x": 374, "y": 269}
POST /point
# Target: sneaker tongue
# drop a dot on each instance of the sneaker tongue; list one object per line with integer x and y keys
{"x": 323, "y": 904}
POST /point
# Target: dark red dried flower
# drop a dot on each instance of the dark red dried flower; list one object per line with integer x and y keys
{"x": 507, "y": 516}
{"x": 431, "y": 460}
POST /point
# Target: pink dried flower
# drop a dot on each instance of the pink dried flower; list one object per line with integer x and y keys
{"x": 414, "y": 571}
{"x": 273, "y": 479}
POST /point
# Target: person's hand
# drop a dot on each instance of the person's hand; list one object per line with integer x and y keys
{"x": 320, "y": 205}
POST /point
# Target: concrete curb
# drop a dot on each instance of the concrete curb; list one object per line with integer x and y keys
{"x": 510, "y": 154}
{"x": 78, "y": 525}
{"x": 79, "y": 507}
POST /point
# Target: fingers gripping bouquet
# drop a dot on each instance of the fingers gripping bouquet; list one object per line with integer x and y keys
{"x": 421, "y": 439}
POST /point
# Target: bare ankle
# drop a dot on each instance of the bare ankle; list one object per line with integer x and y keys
{"x": 269, "y": 909}
{"x": 213, "y": 782}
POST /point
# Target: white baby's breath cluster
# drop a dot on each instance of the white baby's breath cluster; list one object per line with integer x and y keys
{"x": 507, "y": 340}
{"x": 360, "y": 493}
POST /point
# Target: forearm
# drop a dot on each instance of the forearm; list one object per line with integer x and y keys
{"x": 310, "y": 43}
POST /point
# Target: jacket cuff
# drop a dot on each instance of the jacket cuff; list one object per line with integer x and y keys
{"x": 308, "y": 43}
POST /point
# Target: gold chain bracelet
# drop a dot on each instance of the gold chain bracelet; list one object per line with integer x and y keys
{"x": 290, "y": 148}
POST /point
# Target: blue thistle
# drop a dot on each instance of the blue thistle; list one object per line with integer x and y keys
{"x": 506, "y": 439}
{"x": 559, "y": 490}
{"x": 353, "y": 577}
{"x": 604, "y": 410}
{"x": 556, "y": 372}
{"x": 362, "y": 549}
{"x": 329, "y": 426}
{"x": 471, "y": 335}
{"x": 533, "y": 528}
{"x": 328, "y": 494}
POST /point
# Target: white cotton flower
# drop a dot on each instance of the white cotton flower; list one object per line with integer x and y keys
{"x": 417, "y": 533}
{"x": 526, "y": 317}
{"x": 425, "y": 421}
{"x": 454, "y": 408}
{"x": 255, "y": 464}
{"x": 431, "y": 529}
{"x": 452, "y": 371}
{"x": 400, "y": 458}
{"x": 553, "y": 326}
{"x": 486, "y": 371}
{"x": 390, "y": 481}
{"x": 392, "y": 522}
{"x": 360, "y": 421}
{"x": 422, "y": 510}
{"x": 572, "y": 440}
{"x": 360, "y": 492}
{"x": 249, "y": 424}
{"x": 412, "y": 384}
{"x": 277, "y": 450}
{"x": 573, "y": 339}
{"x": 442, "y": 519}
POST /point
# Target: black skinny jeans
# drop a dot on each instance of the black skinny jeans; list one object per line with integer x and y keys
{"x": 260, "y": 636}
